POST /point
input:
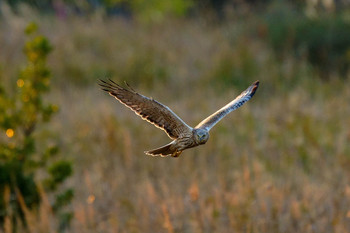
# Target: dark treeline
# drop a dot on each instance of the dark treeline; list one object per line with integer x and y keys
{"x": 183, "y": 7}
{"x": 315, "y": 30}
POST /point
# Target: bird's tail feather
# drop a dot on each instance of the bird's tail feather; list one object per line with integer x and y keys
{"x": 164, "y": 151}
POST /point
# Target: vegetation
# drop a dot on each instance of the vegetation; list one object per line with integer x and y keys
{"x": 324, "y": 39}
{"x": 278, "y": 164}
{"x": 23, "y": 153}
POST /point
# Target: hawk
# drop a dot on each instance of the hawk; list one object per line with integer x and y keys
{"x": 163, "y": 117}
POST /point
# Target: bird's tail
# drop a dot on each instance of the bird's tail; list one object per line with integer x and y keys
{"x": 164, "y": 151}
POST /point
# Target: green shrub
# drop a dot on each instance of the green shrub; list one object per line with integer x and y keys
{"x": 324, "y": 40}
{"x": 157, "y": 10}
{"x": 23, "y": 154}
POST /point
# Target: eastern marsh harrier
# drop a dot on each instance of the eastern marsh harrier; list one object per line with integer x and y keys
{"x": 183, "y": 136}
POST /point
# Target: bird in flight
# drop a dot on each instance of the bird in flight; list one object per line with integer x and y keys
{"x": 163, "y": 117}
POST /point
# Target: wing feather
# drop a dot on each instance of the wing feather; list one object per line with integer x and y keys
{"x": 149, "y": 109}
{"x": 246, "y": 95}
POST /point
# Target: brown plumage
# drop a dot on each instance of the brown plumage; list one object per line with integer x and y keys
{"x": 183, "y": 136}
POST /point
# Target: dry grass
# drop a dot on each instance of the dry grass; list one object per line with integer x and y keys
{"x": 279, "y": 164}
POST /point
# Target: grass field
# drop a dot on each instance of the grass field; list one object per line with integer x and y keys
{"x": 278, "y": 164}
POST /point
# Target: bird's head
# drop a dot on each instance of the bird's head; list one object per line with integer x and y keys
{"x": 201, "y": 136}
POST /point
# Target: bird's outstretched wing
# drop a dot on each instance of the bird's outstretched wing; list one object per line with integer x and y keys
{"x": 246, "y": 95}
{"x": 148, "y": 108}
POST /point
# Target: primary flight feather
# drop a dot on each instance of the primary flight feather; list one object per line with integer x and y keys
{"x": 163, "y": 117}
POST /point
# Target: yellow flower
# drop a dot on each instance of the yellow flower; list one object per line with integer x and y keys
{"x": 20, "y": 82}
{"x": 10, "y": 133}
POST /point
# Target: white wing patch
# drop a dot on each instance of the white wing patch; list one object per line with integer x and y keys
{"x": 246, "y": 95}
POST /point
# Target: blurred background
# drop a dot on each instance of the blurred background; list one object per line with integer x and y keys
{"x": 71, "y": 157}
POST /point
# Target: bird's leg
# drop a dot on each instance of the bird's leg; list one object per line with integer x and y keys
{"x": 176, "y": 153}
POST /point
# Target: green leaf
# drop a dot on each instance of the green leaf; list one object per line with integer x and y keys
{"x": 63, "y": 199}
{"x": 60, "y": 170}
{"x": 31, "y": 28}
